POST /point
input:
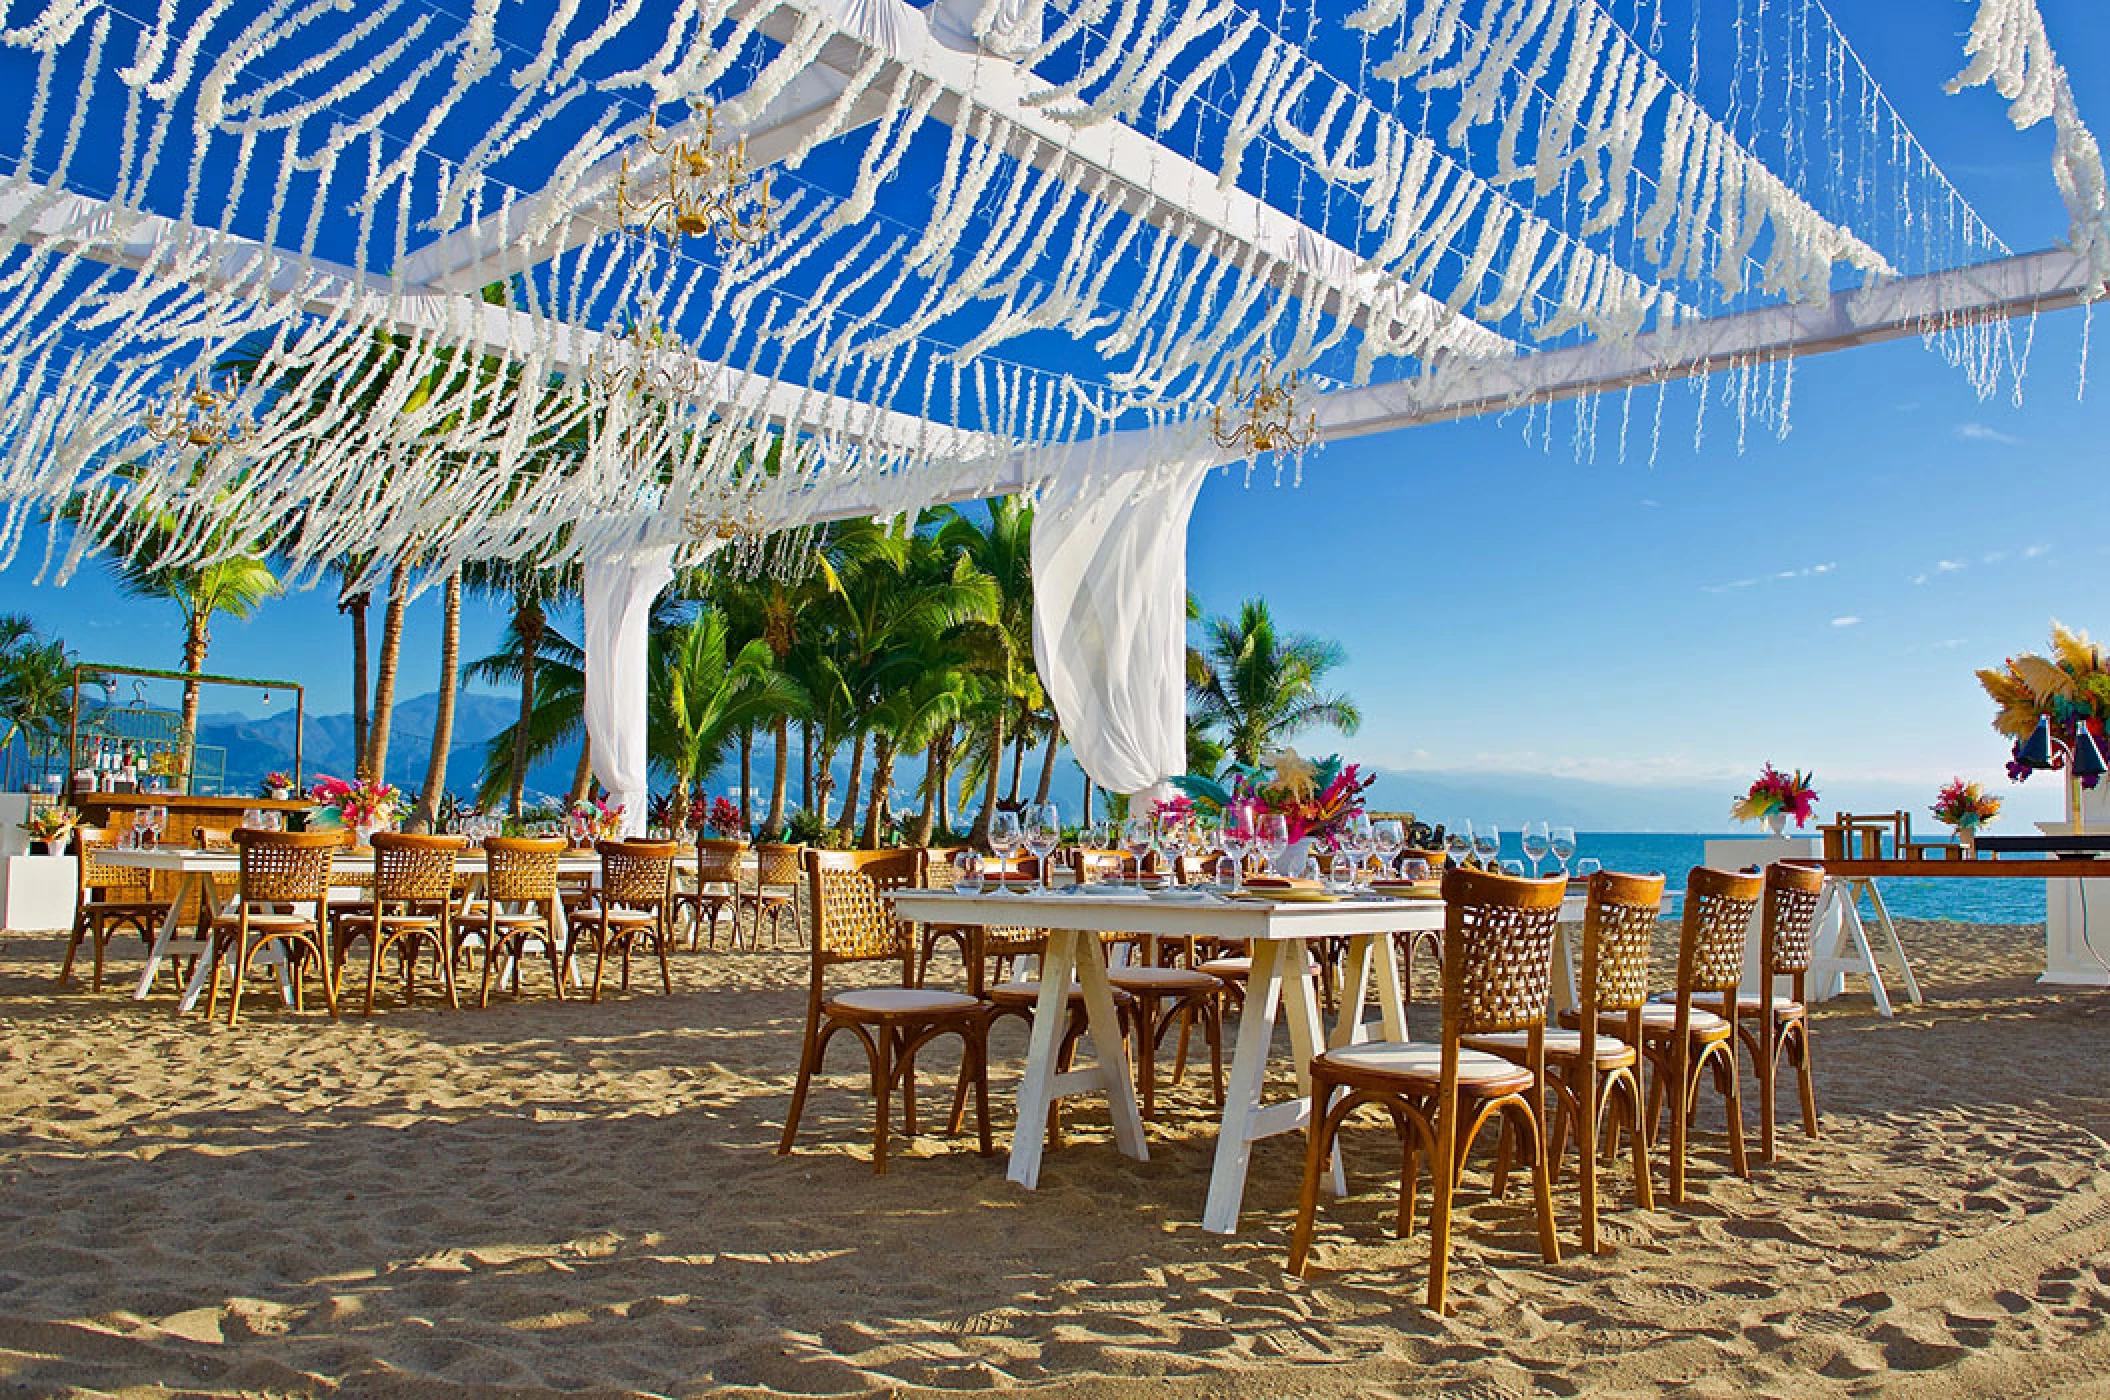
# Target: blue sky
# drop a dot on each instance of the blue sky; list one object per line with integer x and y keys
{"x": 1819, "y": 601}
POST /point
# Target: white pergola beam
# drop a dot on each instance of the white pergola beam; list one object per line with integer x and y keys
{"x": 132, "y": 239}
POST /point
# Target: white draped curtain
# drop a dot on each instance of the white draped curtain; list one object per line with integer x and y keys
{"x": 1110, "y": 618}
{"x": 619, "y": 591}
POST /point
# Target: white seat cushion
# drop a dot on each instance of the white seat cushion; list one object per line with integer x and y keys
{"x": 1231, "y": 969}
{"x": 1026, "y": 990}
{"x": 1422, "y": 1060}
{"x": 617, "y": 915}
{"x": 1663, "y": 1015}
{"x": 900, "y": 1001}
{"x": 1747, "y": 1002}
{"x": 1560, "y": 1045}
{"x": 1164, "y": 981}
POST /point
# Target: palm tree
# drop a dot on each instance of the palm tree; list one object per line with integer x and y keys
{"x": 703, "y": 694}
{"x": 36, "y": 691}
{"x": 375, "y": 758}
{"x": 435, "y": 787}
{"x": 1002, "y": 552}
{"x": 551, "y": 670}
{"x": 529, "y": 588}
{"x": 1260, "y": 688}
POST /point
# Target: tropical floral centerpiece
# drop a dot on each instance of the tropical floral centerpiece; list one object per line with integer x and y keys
{"x": 366, "y": 805}
{"x": 276, "y": 784}
{"x": 2068, "y": 690}
{"x": 722, "y": 819}
{"x": 1317, "y": 799}
{"x": 596, "y": 819}
{"x": 1775, "y": 796}
{"x": 1966, "y": 807}
{"x": 52, "y": 826}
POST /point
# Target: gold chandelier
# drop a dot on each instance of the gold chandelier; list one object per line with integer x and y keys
{"x": 200, "y": 414}
{"x": 701, "y": 190}
{"x": 642, "y": 360}
{"x": 1266, "y": 413}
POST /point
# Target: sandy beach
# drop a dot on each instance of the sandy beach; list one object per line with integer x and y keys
{"x": 546, "y": 1198}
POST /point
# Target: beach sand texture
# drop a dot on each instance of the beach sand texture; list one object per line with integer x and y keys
{"x": 569, "y": 1198}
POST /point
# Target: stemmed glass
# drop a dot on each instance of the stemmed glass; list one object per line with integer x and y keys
{"x": 1137, "y": 837}
{"x": 967, "y": 872}
{"x": 1458, "y": 844}
{"x": 1005, "y": 838}
{"x": 1586, "y": 867}
{"x": 1271, "y": 836}
{"x": 1561, "y": 841}
{"x": 1537, "y": 841}
{"x": 1387, "y": 838}
{"x": 1356, "y": 843}
{"x": 1487, "y": 843}
{"x": 1237, "y": 841}
{"x": 1043, "y": 835}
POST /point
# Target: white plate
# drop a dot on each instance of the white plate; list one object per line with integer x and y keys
{"x": 1179, "y": 896}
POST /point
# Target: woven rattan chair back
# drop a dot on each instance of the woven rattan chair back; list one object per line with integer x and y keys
{"x": 718, "y": 862}
{"x": 939, "y": 872}
{"x": 778, "y": 864}
{"x": 1618, "y": 923}
{"x": 1792, "y": 892}
{"x": 638, "y": 874}
{"x": 522, "y": 869}
{"x": 1718, "y": 905}
{"x": 286, "y": 867}
{"x": 414, "y": 869}
{"x": 852, "y": 921}
{"x": 1497, "y": 951}
{"x": 97, "y": 878}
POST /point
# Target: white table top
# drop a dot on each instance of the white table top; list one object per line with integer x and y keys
{"x": 193, "y": 860}
{"x": 1131, "y": 911}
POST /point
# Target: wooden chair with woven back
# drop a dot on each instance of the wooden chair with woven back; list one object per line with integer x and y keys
{"x": 633, "y": 906}
{"x": 778, "y": 870}
{"x": 1690, "y": 1032}
{"x": 1767, "y": 1023}
{"x": 717, "y": 889}
{"x": 108, "y": 899}
{"x": 852, "y": 923}
{"x": 281, "y": 897}
{"x": 518, "y": 906}
{"x": 1594, "y": 1062}
{"x": 1497, "y": 977}
{"x": 412, "y": 910}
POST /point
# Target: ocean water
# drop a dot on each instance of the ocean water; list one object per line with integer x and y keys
{"x": 1965, "y": 901}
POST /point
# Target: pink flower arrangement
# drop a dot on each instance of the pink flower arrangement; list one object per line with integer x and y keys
{"x": 724, "y": 819}
{"x": 367, "y": 802}
{"x": 1173, "y": 812}
{"x": 1777, "y": 792}
{"x": 276, "y": 782}
{"x": 597, "y": 819}
{"x": 1965, "y": 806}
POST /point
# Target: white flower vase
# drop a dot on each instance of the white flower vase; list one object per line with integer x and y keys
{"x": 1776, "y": 823}
{"x": 363, "y": 833}
{"x": 1291, "y": 861}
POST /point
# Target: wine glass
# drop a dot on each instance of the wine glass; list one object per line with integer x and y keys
{"x": 967, "y": 872}
{"x": 1043, "y": 835}
{"x": 251, "y": 819}
{"x": 1415, "y": 869}
{"x": 1537, "y": 841}
{"x": 1237, "y": 840}
{"x": 1137, "y": 838}
{"x": 1271, "y": 836}
{"x": 1387, "y": 838}
{"x": 1587, "y": 866}
{"x": 1514, "y": 869}
{"x": 1005, "y": 838}
{"x": 1487, "y": 843}
{"x": 1458, "y": 845}
{"x": 1561, "y": 841}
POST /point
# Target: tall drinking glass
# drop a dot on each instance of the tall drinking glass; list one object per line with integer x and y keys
{"x": 1458, "y": 844}
{"x": 1271, "y": 836}
{"x": 1537, "y": 841}
{"x": 1005, "y": 838}
{"x": 1043, "y": 835}
{"x": 1387, "y": 839}
{"x": 1487, "y": 843}
{"x": 1237, "y": 840}
{"x": 1561, "y": 840}
{"x": 1137, "y": 837}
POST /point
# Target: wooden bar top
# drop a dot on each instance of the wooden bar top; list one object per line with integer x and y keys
{"x": 181, "y": 802}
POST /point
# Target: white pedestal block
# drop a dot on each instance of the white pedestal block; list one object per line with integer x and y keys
{"x": 2077, "y": 916}
{"x": 37, "y": 892}
{"x": 1737, "y": 852}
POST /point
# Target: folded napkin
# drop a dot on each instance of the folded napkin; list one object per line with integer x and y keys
{"x": 1281, "y": 882}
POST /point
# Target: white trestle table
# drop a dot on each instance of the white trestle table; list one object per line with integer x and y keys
{"x": 1276, "y": 932}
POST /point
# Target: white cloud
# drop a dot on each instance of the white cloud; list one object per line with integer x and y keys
{"x": 1846, "y": 622}
{"x": 1950, "y": 566}
{"x": 2036, "y": 551}
{"x": 1986, "y": 432}
{"x": 1807, "y": 571}
{"x": 1651, "y": 503}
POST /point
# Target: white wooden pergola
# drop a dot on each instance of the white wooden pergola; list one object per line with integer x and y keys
{"x": 1433, "y": 209}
